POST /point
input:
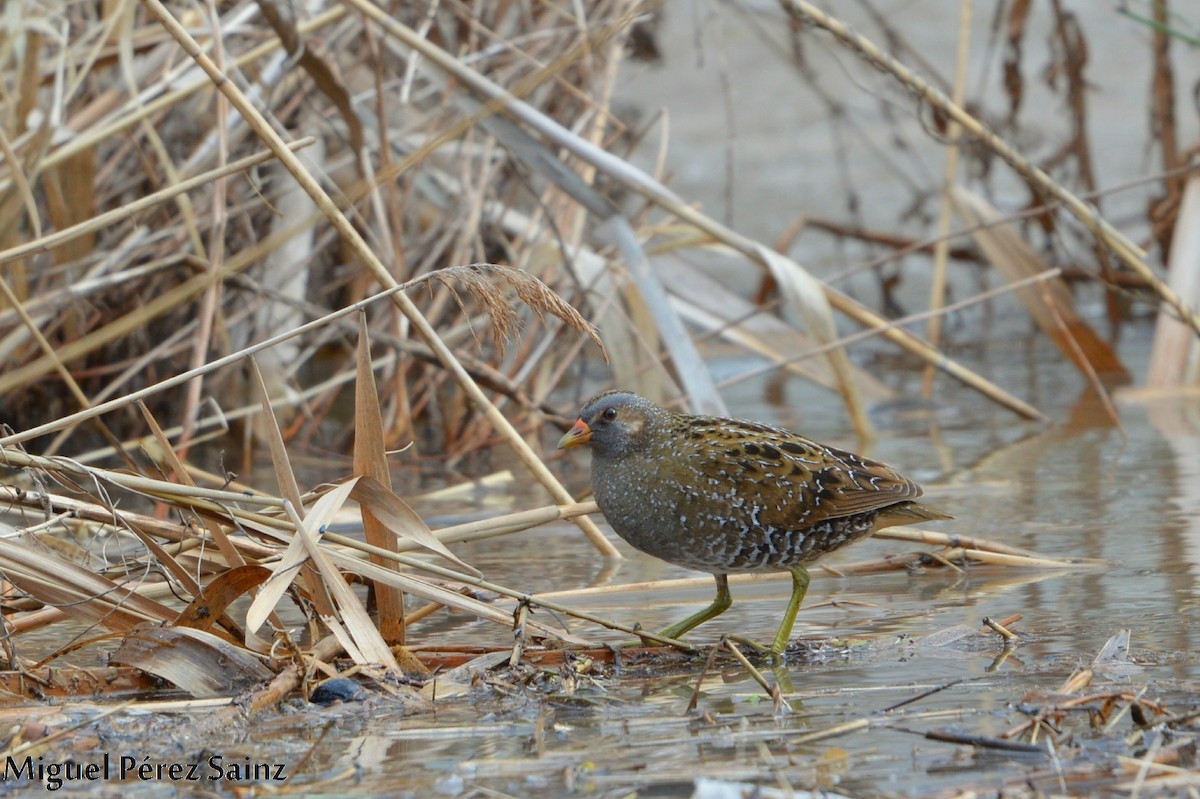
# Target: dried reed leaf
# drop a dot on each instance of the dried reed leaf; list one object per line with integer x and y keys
{"x": 370, "y": 463}
{"x": 396, "y": 516}
{"x": 199, "y": 662}
{"x": 1115, "y": 651}
{"x": 211, "y": 603}
{"x": 420, "y": 588}
{"x": 285, "y": 478}
{"x": 308, "y": 59}
{"x": 1050, "y": 304}
{"x": 691, "y": 369}
{"x": 282, "y": 575}
{"x": 167, "y": 453}
{"x": 626, "y": 353}
{"x": 50, "y": 579}
{"x": 1015, "y": 30}
{"x": 707, "y": 303}
{"x": 285, "y": 475}
{"x": 806, "y": 295}
{"x": 286, "y": 570}
{"x": 369, "y": 644}
{"x": 443, "y": 596}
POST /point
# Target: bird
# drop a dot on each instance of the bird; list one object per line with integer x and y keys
{"x": 724, "y": 495}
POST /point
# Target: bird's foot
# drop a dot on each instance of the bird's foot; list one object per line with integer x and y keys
{"x": 768, "y": 653}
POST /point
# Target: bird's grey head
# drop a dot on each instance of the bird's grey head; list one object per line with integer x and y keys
{"x": 615, "y": 423}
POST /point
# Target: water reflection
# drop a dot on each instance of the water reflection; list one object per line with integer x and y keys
{"x": 1129, "y": 496}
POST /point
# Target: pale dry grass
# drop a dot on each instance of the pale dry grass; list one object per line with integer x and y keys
{"x": 194, "y": 203}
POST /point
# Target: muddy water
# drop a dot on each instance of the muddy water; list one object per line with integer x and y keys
{"x": 1081, "y": 487}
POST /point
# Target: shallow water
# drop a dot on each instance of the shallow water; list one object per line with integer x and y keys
{"x": 1079, "y": 488}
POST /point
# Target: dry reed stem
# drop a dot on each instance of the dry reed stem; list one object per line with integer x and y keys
{"x": 781, "y": 704}
{"x": 1126, "y": 250}
{"x": 1032, "y": 280}
{"x": 980, "y": 546}
{"x": 941, "y": 250}
{"x": 638, "y": 181}
{"x": 226, "y": 360}
{"x": 135, "y": 111}
{"x": 200, "y": 500}
{"x": 368, "y": 258}
{"x": 836, "y": 731}
{"x": 1175, "y": 357}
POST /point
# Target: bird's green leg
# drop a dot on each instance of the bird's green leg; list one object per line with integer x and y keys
{"x": 799, "y": 589}
{"x": 718, "y": 606}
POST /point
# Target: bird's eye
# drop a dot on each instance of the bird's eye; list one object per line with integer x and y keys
{"x": 609, "y": 414}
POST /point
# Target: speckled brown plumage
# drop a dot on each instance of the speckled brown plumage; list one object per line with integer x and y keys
{"x": 725, "y": 495}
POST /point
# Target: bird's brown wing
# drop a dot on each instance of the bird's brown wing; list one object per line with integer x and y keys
{"x": 793, "y": 481}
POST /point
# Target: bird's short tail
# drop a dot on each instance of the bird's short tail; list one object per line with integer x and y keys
{"x": 908, "y": 513}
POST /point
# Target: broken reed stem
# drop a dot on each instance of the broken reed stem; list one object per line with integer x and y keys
{"x": 781, "y": 704}
{"x": 358, "y": 245}
{"x": 513, "y": 522}
{"x": 837, "y": 730}
{"x": 1006, "y": 288}
{"x": 1004, "y": 632}
{"x": 282, "y": 531}
{"x": 226, "y": 360}
{"x": 111, "y": 218}
{"x": 955, "y": 541}
{"x": 654, "y": 191}
{"x": 161, "y": 489}
{"x": 941, "y": 250}
{"x": 1126, "y": 250}
{"x": 94, "y": 135}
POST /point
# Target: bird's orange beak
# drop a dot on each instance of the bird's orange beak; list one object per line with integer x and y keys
{"x": 579, "y": 434}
